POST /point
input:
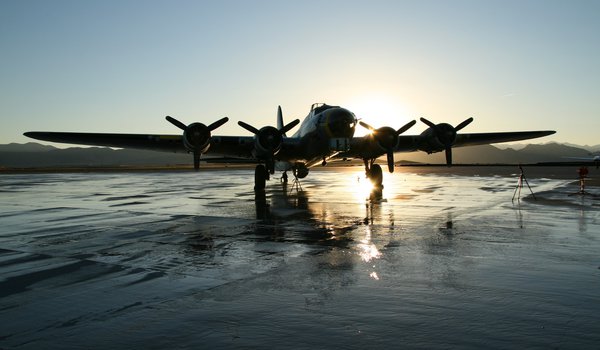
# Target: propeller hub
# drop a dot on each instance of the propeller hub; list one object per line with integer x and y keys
{"x": 196, "y": 136}
{"x": 270, "y": 139}
{"x": 445, "y": 133}
{"x": 386, "y": 137}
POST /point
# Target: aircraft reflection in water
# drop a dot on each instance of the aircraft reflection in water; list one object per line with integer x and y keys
{"x": 327, "y": 223}
{"x": 288, "y": 211}
{"x": 326, "y": 134}
{"x": 291, "y": 199}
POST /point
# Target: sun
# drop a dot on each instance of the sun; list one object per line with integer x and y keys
{"x": 379, "y": 110}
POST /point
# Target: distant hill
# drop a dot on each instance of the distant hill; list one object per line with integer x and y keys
{"x": 488, "y": 154}
{"x": 31, "y": 155}
{"x": 518, "y": 146}
{"x": 593, "y": 148}
{"x": 26, "y": 147}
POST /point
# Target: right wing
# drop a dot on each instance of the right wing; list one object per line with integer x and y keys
{"x": 226, "y": 146}
{"x": 165, "y": 143}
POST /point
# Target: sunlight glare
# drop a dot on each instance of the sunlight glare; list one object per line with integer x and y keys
{"x": 367, "y": 250}
{"x": 363, "y": 186}
{"x": 379, "y": 110}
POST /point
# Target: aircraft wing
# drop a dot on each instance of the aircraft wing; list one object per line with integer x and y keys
{"x": 589, "y": 159}
{"x": 415, "y": 143}
{"x": 367, "y": 147}
{"x": 229, "y": 146}
{"x": 497, "y": 137}
{"x": 166, "y": 143}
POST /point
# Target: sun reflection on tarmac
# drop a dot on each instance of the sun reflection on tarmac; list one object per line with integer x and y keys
{"x": 361, "y": 186}
{"x": 367, "y": 250}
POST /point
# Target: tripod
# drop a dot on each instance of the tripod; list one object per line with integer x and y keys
{"x": 583, "y": 171}
{"x": 520, "y": 185}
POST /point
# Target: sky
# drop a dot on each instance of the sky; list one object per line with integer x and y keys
{"x": 122, "y": 66}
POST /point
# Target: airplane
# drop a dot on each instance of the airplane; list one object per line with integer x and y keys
{"x": 326, "y": 134}
{"x": 595, "y": 159}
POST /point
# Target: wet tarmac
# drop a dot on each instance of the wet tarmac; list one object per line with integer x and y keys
{"x": 196, "y": 260}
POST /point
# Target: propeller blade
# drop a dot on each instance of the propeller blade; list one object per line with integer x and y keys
{"x": 290, "y": 126}
{"x": 248, "y": 127}
{"x": 196, "y": 160}
{"x": 176, "y": 122}
{"x": 449, "y": 155}
{"x": 366, "y": 126}
{"x": 406, "y": 127}
{"x": 430, "y": 124}
{"x": 390, "y": 160}
{"x": 279, "y": 118}
{"x": 463, "y": 124}
{"x": 218, "y": 123}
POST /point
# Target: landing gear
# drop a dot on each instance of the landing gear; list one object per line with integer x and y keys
{"x": 374, "y": 173}
{"x": 260, "y": 177}
{"x": 270, "y": 166}
{"x": 376, "y": 176}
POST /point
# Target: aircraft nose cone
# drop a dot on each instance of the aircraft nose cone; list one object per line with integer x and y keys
{"x": 341, "y": 123}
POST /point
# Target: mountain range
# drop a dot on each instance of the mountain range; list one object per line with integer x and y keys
{"x": 32, "y": 155}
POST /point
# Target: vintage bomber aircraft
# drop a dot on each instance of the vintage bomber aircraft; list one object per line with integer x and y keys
{"x": 327, "y": 133}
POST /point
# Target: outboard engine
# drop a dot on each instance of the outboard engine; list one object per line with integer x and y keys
{"x": 300, "y": 170}
{"x": 196, "y": 136}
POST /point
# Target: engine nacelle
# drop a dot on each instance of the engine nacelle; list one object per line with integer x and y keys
{"x": 300, "y": 170}
{"x": 436, "y": 140}
{"x": 386, "y": 137}
{"x": 267, "y": 142}
{"x": 196, "y": 138}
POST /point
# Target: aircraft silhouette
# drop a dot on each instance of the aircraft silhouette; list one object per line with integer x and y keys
{"x": 326, "y": 134}
{"x": 595, "y": 159}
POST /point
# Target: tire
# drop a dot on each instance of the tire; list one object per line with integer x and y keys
{"x": 260, "y": 177}
{"x": 376, "y": 176}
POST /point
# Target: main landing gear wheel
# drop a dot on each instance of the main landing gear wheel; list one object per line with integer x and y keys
{"x": 376, "y": 176}
{"x": 260, "y": 177}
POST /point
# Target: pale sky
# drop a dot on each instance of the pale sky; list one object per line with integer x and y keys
{"x": 122, "y": 66}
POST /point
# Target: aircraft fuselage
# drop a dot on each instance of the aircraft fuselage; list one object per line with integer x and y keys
{"x": 314, "y": 138}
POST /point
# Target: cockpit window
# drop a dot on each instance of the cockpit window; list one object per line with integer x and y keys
{"x": 323, "y": 107}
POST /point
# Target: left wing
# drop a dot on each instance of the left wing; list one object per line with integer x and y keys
{"x": 431, "y": 144}
{"x": 442, "y": 137}
{"x": 369, "y": 147}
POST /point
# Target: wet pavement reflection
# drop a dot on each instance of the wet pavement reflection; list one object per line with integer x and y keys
{"x": 187, "y": 260}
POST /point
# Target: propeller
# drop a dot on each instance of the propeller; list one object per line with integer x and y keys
{"x": 387, "y": 138}
{"x": 280, "y": 119}
{"x": 446, "y": 135}
{"x": 268, "y": 136}
{"x": 196, "y": 136}
{"x": 269, "y": 139}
